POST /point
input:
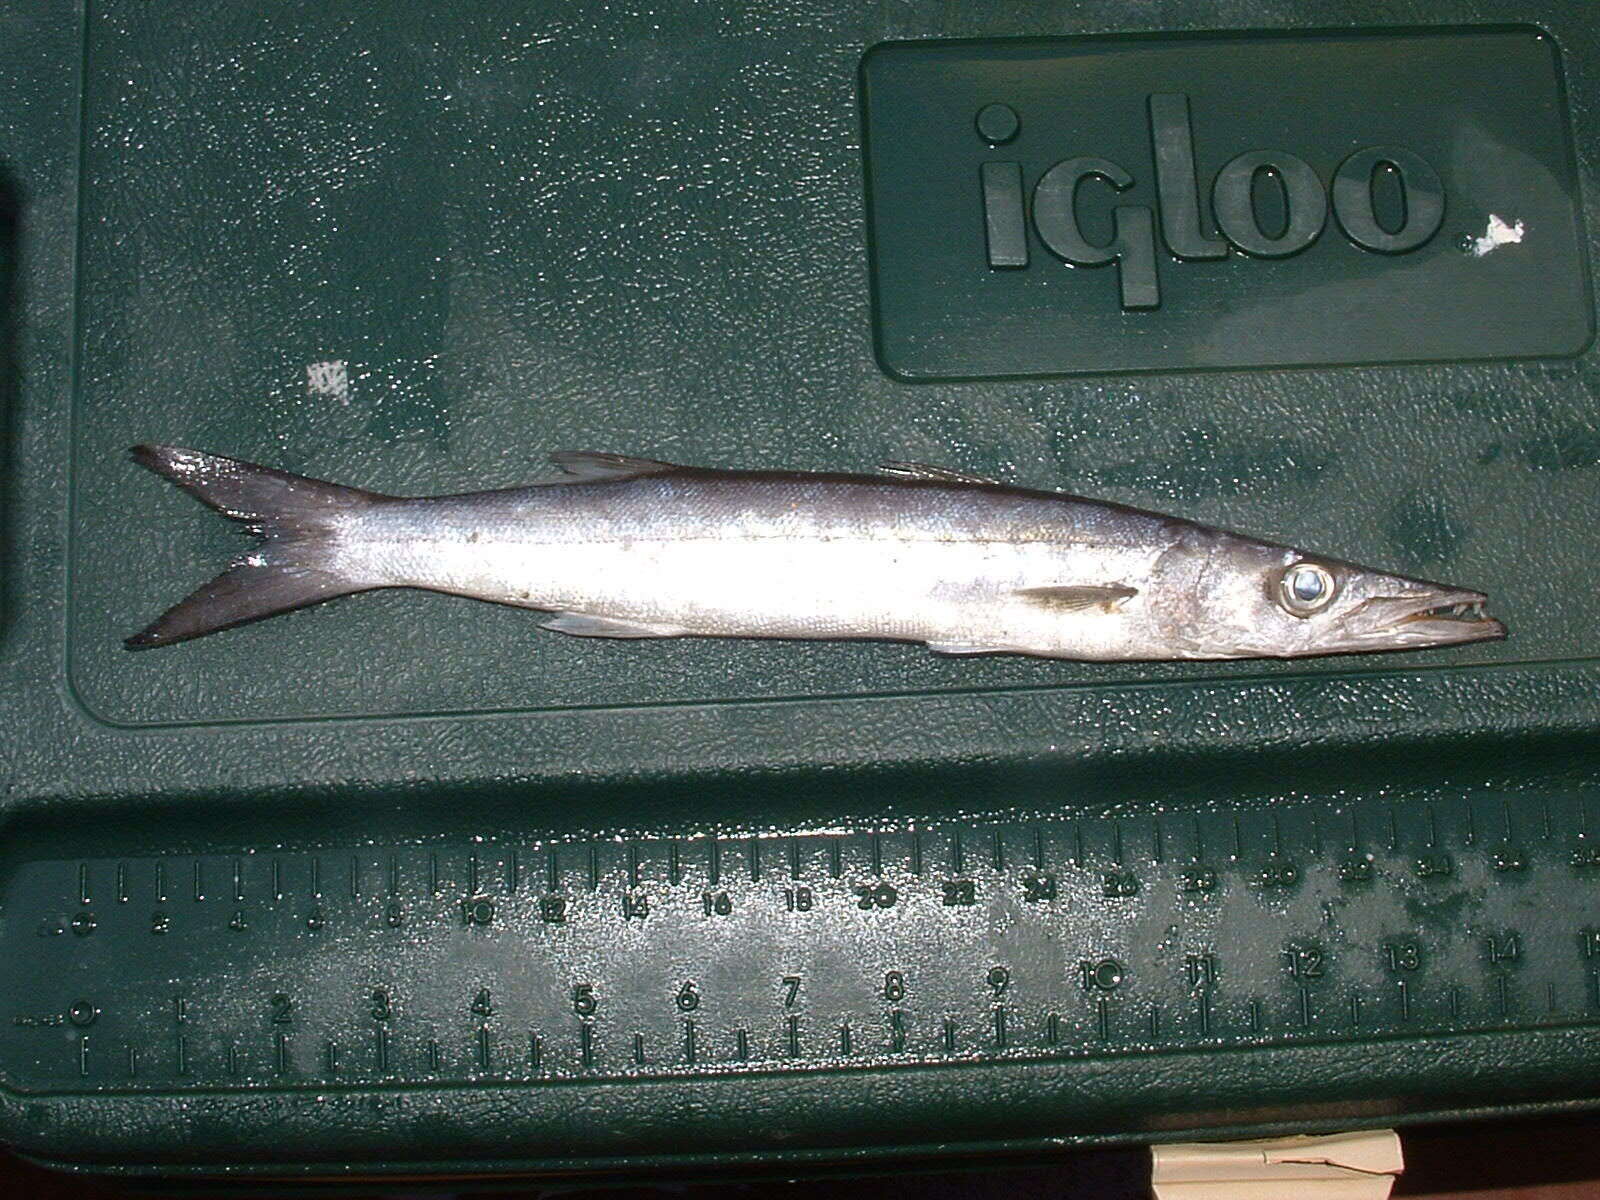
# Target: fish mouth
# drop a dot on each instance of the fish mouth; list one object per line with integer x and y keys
{"x": 1438, "y": 617}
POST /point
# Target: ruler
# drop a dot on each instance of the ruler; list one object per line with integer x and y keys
{"x": 551, "y": 963}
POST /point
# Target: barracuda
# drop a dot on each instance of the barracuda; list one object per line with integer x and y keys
{"x": 633, "y": 548}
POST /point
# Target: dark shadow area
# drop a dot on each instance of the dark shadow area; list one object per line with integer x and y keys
{"x": 1120, "y": 1173}
{"x": 1495, "y": 1160}
{"x": 10, "y": 386}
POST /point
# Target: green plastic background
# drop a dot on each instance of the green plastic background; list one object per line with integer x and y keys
{"x": 568, "y": 226}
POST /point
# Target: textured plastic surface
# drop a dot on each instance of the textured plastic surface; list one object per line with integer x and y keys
{"x": 416, "y": 252}
{"x": 1159, "y": 203}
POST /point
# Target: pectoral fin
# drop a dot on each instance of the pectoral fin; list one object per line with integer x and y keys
{"x": 1078, "y": 597}
{"x": 915, "y": 470}
{"x": 583, "y": 625}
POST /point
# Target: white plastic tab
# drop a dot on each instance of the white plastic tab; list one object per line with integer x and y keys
{"x": 1341, "y": 1166}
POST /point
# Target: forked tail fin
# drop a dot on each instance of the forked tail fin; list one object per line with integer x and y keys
{"x": 293, "y": 565}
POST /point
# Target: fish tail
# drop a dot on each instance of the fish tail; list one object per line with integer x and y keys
{"x": 295, "y": 563}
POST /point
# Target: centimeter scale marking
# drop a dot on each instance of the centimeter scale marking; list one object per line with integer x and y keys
{"x": 441, "y": 963}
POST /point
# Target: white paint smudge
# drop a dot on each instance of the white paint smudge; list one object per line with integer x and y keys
{"x": 330, "y": 379}
{"x": 1498, "y": 234}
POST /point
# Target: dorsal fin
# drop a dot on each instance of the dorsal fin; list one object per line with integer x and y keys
{"x": 589, "y": 465}
{"x": 1077, "y": 597}
{"x": 932, "y": 474}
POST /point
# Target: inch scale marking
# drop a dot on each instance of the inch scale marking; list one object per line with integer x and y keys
{"x": 939, "y": 944}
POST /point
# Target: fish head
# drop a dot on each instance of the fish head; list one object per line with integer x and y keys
{"x": 1240, "y": 598}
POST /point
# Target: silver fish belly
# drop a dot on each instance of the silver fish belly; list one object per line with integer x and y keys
{"x": 633, "y": 548}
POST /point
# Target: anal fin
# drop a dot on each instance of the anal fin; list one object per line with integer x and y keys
{"x": 584, "y": 625}
{"x": 965, "y": 648}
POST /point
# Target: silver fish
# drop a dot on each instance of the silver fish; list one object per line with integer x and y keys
{"x": 633, "y": 548}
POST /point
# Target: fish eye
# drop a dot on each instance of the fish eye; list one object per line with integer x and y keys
{"x": 1305, "y": 588}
